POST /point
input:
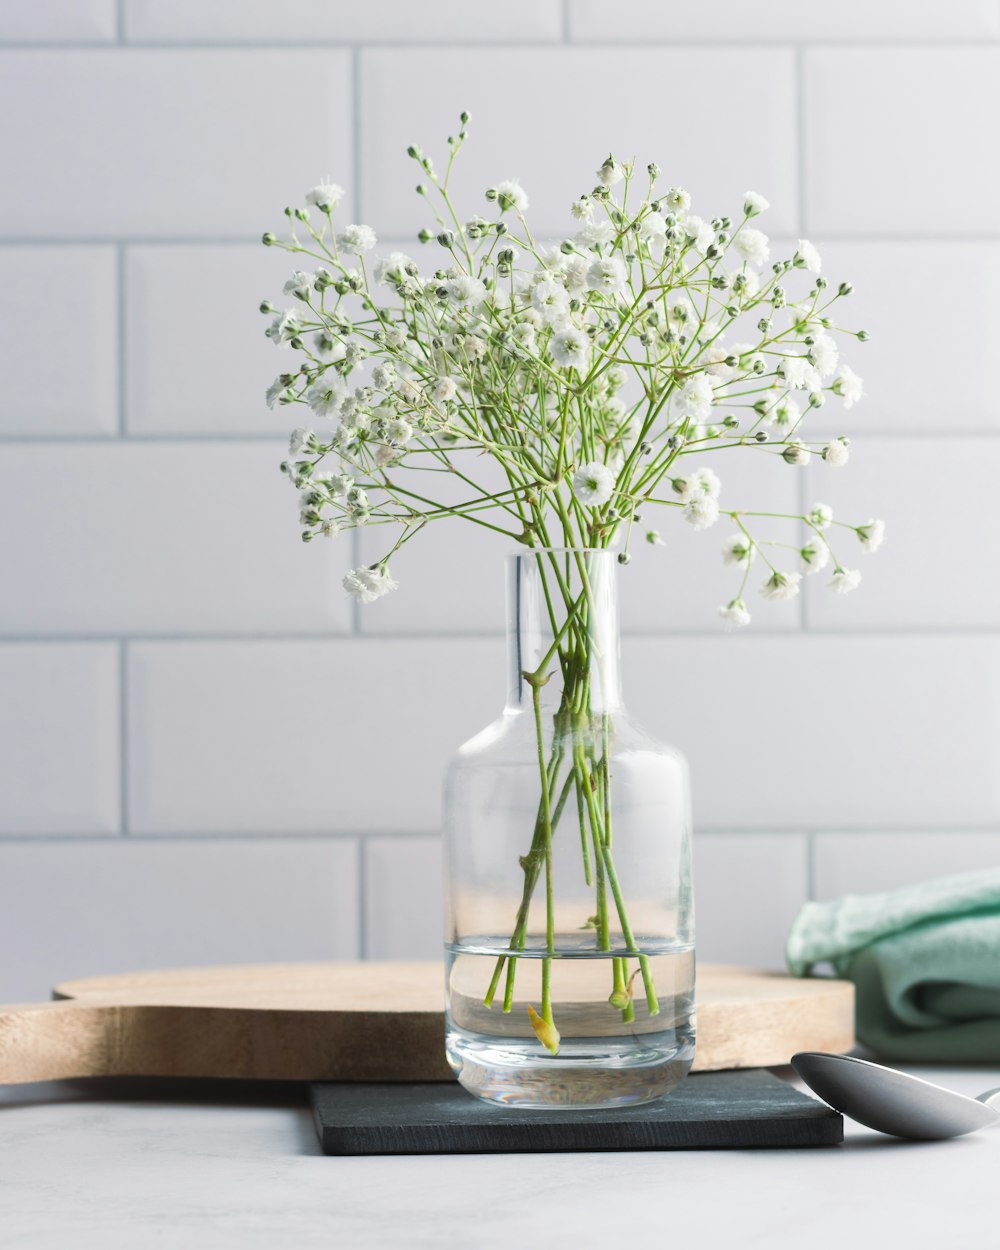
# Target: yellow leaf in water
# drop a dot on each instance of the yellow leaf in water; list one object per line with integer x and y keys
{"x": 546, "y": 1033}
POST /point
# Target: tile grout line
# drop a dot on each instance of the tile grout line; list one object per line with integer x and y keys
{"x": 121, "y": 337}
{"x": 120, "y": 22}
{"x": 971, "y": 43}
{"x": 800, "y": 212}
{"x": 123, "y": 736}
{"x": 566, "y": 32}
{"x": 811, "y": 865}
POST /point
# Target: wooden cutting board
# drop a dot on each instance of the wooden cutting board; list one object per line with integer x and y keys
{"x": 355, "y": 1022}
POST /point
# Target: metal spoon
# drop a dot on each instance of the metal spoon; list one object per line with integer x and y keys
{"x": 894, "y": 1102}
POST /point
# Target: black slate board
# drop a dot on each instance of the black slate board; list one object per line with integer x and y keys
{"x": 711, "y": 1111}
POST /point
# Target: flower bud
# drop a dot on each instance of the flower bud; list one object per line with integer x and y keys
{"x": 653, "y": 170}
{"x": 414, "y": 152}
{"x": 845, "y": 288}
{"x": 624, "y": 557}
{"x": 760, "y": 436}
{"x": 425, "y": 235}
{"x": 269, "y": 239}
{"x": 267, "y": 307}
{"x": 465, "y": 117}
{"x": 863, "y": 336}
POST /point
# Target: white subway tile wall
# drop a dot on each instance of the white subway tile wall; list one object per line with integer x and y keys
{"x": 208, "y": 754}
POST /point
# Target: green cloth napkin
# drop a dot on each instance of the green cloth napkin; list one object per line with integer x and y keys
{"x": 925, "y": 962}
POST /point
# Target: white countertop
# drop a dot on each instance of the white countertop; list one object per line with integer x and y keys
{"x": 135, "y": 1164}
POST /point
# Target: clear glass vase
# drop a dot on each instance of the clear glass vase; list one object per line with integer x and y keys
{"x": 569, "y": 915}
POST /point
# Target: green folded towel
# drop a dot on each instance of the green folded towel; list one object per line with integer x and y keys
{"x": 925, "y": 962}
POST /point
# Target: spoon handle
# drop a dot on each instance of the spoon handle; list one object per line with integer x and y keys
{"x": 991, "y": 1098}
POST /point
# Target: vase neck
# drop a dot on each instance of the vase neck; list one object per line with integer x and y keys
{"x": 562, "y": 631}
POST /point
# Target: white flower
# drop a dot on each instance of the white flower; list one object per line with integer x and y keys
{"x": 610, "y": 172}
{"x": 738, "y": 550}
{"x": 285, "y": 327}
{"x": 696, "y": 396}
{"x": 701, "y": 511}
{"x": 551, "y": 299}
{"x": 654, "y": 539}
{"x": 466, "y": 290}
{"x": 570, "y": 346}
{"x": 844, "y": 581}
{"x": 510, "y": 194}
{"x": 583, "y": 208}
{"x": 369, "y": 584}
{"x": 595, "y": 233}
{"x": 356, "y": 239}
{"x": 837, "y": 452}
{"x": 815, "y": 555}
{"x": 735, "y": 613}
{"x": 677, "y": 200}
{"x": 325, "y": 196}
{"x": 300, "y": 284}
{"x": 800, "y": 374}
{"x": 444, "y": 389}
{"x": 277, "y": 391}
{"x": 575, "y": 274}
{"x": 326, "y": 395}
{"x": 700, "y": 482}
{"x": 820, "y": 515}
{"x": 330, "y": 528}
{"x": 784, "y": 414}
{"x": 871, "y": 534}
{"x": 341, "y": 484}
{"x": 398, "y": 431}
{"x": 652, "y": 226}
{"x": 607, "y": 275}
{"x": 807, "y": 257}
{"x": 824, "y": 354}
{"x": 394, "y": 268}
{"x": 384, "y": 376}
{"x": 298, "y": 439}
{"x": 781, "y": 586}
{"x": 328, "y": 346}
{"x": 754, "y": 203}
{"x": 593, "y": 484}
{"x": 700, "y": 232}
{"x": 752, "y": 245}
{"x": 849, "y": 386}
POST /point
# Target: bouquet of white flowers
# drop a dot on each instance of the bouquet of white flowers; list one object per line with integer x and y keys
{"x": 588, "y": 380}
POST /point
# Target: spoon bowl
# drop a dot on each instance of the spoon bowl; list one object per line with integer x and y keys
{"x": 894, "y": 1102}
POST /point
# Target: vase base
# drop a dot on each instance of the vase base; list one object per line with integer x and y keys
{"x": 587, "y": 1080}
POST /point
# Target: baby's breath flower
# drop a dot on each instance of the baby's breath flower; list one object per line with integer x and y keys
{"x": 369, "y": 584}
{"x": 551, "y": 299}
{"x": 800, "y": 374}
{"x": 510, "y": 194}
{"x": 595, "y": 233}
{"x": 325, "y": 196}
{"x": 820, "y": 516}
{"x": 610, "y": 173}
{"x": 593, "y": 484}
{"x": 751, "y": 244}
{"x": 607, "y": 275}
{"x": 735, "y": 612}
{"x": 806, "y": 257}
{"x": 298, "y": 438}
{"x": 278, "y": 392}
{"x": 701, "y": 511}
{"x": 395, "y": 268}
{"x": 871, "y": 534}
{"x": 286, "y": 326}
{"x": 849, "y": 386}
{"x": 583, "y": 208}
{"x": 781, "y": 586}
{"x": 300, "y": 284}
{"x": 700, "y": 482}
{"x": 696, "y": 397}
{"x": 677, "y": 200}
{"x": 330, "y": 528}
{"x": 326, "y": 395}
{"x": 824, "y": 355}
{"x": 571, "y": 347}
{"x": 444, "y": 390}
{"x": 754, "y": 204}
{"x": 654, "y": 538}
{"x": 466, "y": 290}
{"x": 653, "y": 226}
{"x": 356, "y": 239}
{"x": 738, "y": 549}
{"x": 815, "y": 555}
{"x": 844, "y": 581}
{"x": 837, "y": 452}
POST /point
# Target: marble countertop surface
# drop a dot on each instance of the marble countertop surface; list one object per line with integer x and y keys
{"x": 143, "y": 1164}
